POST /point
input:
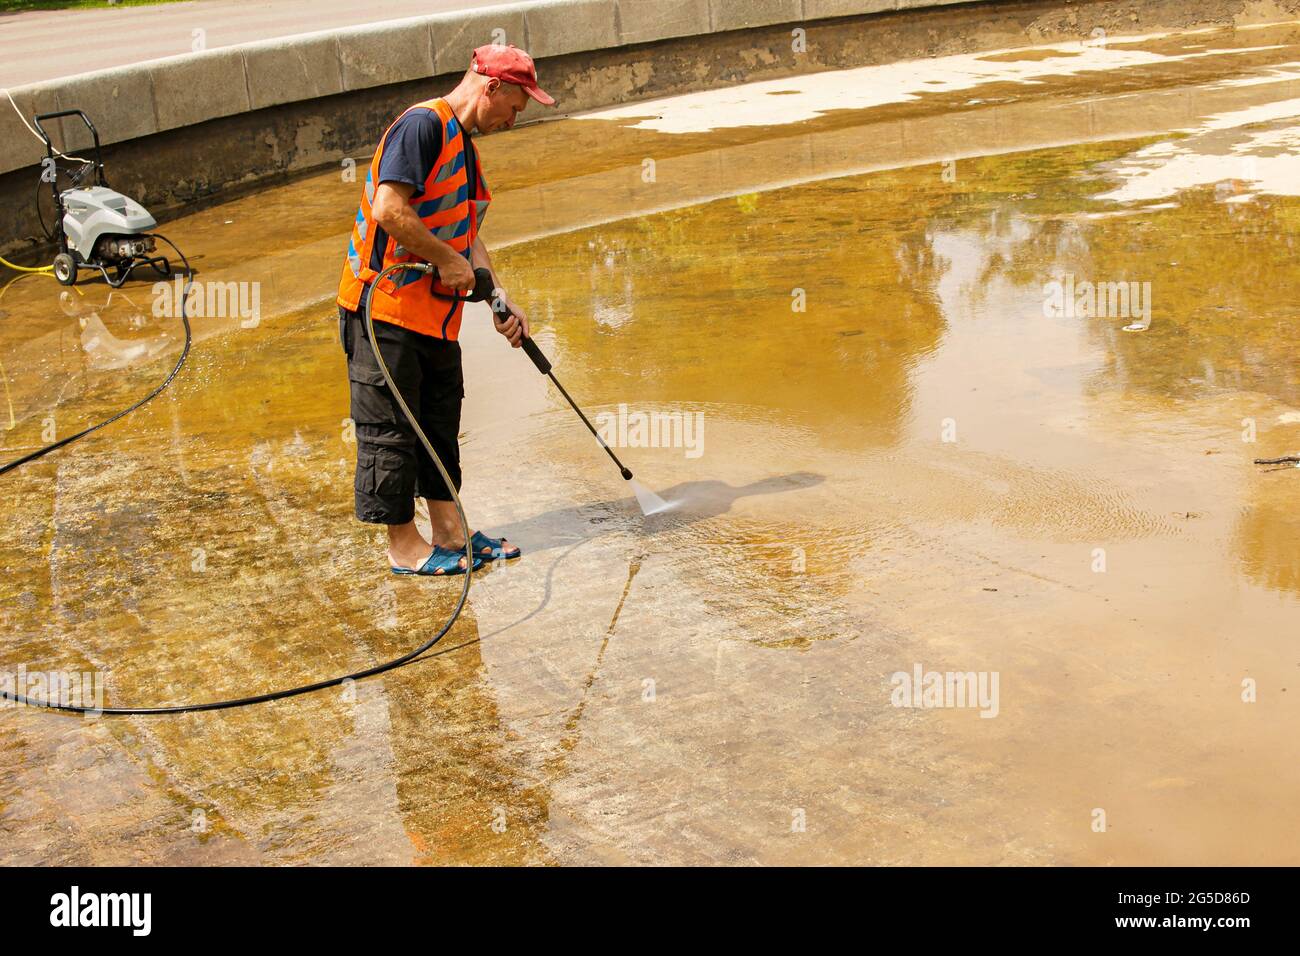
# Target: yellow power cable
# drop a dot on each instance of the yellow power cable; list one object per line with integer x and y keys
{"x": 17, "y": 268}
{"x": 56, "y": 152}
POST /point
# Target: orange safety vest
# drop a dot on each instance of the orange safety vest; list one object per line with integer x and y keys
{"x": 449, "y": 212}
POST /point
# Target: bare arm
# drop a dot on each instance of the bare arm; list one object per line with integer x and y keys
{"x": 392, "y": 211}
{"x": 483, "y": 261}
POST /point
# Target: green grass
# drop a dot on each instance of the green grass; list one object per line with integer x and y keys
{"x": 15, "y": 6}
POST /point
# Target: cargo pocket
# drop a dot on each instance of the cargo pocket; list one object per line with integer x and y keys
{"x": 362, "y": 366}
{"x": 385, "y": 473}
{"x": 372, "y": 401}
{"x": 393, "y": 345}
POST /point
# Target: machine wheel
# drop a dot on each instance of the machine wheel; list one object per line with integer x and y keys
{"x": 65, "y": 269}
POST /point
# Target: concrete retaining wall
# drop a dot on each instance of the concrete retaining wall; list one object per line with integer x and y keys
{"x": 193, "y": 127}
{"x": 178, "y": 91}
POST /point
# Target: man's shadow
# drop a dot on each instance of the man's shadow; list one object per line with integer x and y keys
{"x": 689, "y": 502}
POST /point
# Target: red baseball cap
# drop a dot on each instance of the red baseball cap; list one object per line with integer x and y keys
{"x": 510, "y": 65}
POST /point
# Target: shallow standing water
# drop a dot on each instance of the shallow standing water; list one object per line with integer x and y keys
{"x": 904, "y": 459}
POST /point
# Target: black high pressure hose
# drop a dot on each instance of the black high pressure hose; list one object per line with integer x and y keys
{"x": 480, "y": 289}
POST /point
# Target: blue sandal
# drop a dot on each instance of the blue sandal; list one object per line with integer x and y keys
{"x": 480, "y": 541}
{"x": 442, "y": 563}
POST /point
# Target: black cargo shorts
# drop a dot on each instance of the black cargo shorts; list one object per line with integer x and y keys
{"x": 393, "y": 468}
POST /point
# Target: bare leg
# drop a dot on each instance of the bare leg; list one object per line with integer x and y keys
{"x": 444, "y": 526}
{"x": 407, "y": 547}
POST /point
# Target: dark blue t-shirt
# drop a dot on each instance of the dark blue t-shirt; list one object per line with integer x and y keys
{"x": 411, "y": 150}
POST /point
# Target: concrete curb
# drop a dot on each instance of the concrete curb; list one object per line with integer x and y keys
{"x": 155, "y": 96}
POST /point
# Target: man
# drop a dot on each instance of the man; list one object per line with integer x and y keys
{"x": 424, "y": 200}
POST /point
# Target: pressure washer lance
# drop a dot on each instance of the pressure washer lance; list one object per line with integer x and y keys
{"x": 649, "y": 502}
{"x": 485, "y": 292}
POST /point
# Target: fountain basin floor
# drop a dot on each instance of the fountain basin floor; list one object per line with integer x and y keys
{"x": 899, "y": 439}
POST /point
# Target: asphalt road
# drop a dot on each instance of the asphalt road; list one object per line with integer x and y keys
{"x": 48, "y": 44}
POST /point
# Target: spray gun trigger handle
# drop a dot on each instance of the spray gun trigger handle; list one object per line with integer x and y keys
{"x": 482, "y": 286}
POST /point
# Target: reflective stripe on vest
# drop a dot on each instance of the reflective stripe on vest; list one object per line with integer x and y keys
{"x": 446, "y": 209}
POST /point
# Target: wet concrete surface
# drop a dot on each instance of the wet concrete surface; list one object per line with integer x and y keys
{"x": 833, "y": 298}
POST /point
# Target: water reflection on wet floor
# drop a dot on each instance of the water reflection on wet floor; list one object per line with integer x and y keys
{"x": 678, "y": 688}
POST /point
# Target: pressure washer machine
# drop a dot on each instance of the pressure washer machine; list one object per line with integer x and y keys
{"x": 97, "y": 227}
